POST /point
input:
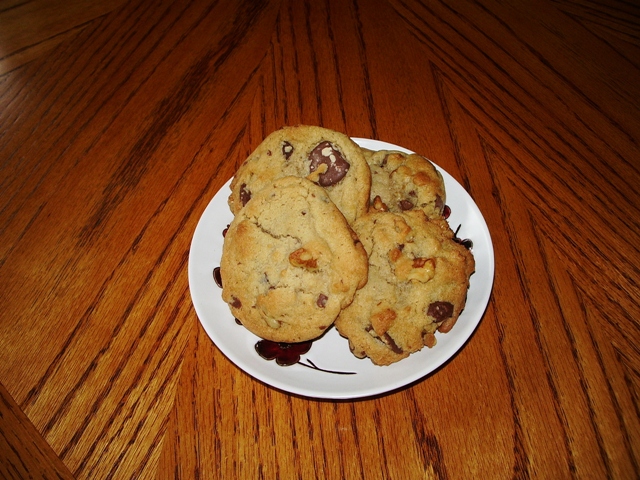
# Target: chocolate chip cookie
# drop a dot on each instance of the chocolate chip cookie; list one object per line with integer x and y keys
{"x": 401, "y": 181}
{"x": 326, "y": 157}
{"x": 417, "y": 284}
{"x": 290, "y": 262}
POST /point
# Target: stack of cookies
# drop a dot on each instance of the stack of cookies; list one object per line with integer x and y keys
{"x": 327, "y": 233}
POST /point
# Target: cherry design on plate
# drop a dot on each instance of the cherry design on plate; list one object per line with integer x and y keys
{"x": 287, "y": 354}
{"x": 217, "y": 277}
{"x": 466, "y": 242}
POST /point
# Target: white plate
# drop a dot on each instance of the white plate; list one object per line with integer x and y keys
{"x": 331, "y": 353}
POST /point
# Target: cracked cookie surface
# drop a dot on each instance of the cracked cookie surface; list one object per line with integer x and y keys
{"x": 417, "y": 284}
{"x": 401, "y": 182}
{"x": 290, "y": 262}
{"x": 326, "y": 157}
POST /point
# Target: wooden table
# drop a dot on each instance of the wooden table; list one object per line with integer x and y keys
{"x": 118, "y": 129}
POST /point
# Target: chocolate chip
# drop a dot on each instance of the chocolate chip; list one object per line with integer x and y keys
{"x": 245, "y": 195}
{"x": 405, "y": 204}
{"x": 322, "y": 300}
{"x": 440, "y": 311}
{"x": 386, "y": 338}
{"x": 287, "y": 150}
{"x": 326, "y": 154}
{"x": 236, "y": 303}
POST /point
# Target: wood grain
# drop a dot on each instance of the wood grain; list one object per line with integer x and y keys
{"x": 31, "y": 29}
{"x": 25, "y": 454}
{"x": 113, "y": 141}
